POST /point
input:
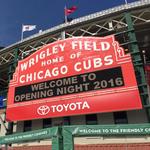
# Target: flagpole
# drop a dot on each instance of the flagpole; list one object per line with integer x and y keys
{"x": 22, "y": 33}
{"x": 65, "y": 14}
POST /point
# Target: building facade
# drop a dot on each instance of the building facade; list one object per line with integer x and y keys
{"x": 130, "y": 25}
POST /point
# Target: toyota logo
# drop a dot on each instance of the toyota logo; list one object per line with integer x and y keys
{"x": 43, "y": 110}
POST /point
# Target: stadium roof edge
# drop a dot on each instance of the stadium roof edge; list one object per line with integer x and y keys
{"x": 117, "y": 9}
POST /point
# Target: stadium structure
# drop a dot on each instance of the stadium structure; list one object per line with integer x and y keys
{"x": 127, "y": 129}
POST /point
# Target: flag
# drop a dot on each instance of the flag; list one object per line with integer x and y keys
{"x": 70, "y": 10}
{"x": 28, "y": 27}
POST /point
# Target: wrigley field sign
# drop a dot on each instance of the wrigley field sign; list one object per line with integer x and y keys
{"x": 75, "y": 76}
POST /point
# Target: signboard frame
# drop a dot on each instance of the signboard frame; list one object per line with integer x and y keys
{"x": 100, "y": 53}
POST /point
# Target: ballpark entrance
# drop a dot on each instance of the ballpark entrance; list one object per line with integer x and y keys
{"x": 67, "y": 137}
{"x": 104, "y": 137}
{"x": 44, "y": 134}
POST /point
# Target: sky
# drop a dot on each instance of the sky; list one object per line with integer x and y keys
{"x": 44, "y": 14}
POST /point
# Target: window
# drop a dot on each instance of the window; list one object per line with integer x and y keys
{"x": 27, "y": 125}
{"x": 47, "y": 123}
{"x": 10, "y": 128}
{"x": 120, "y": 117}
{"x": 91, "y": 119}
{"x": 66, "y": 121}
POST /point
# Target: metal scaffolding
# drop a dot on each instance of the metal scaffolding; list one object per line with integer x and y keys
{"x": 98, "y": 24}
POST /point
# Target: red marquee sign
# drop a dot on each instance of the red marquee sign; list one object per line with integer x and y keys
{"x": 75, "y": 76}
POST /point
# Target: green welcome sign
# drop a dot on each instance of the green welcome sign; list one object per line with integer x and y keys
{"x": 29, "y": 136}
{"x": 62, "y": 137}
{"x": 90, "y": 130}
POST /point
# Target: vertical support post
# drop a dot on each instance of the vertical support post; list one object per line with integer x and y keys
{"x": 11, "y": 70}
{"x": 57, "y": 141}
{"x": 63, "y": 35}
{"x": 137, "y": 62}
{"x": 6, "y": 147}
{"x": 68, "y": 141}
{"x": 13, "y": 64}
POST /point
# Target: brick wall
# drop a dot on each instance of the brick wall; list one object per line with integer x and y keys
{"x": 114, "y": 147}
{"x": 42, "y": 147}
{"x": 145, "y": 146}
